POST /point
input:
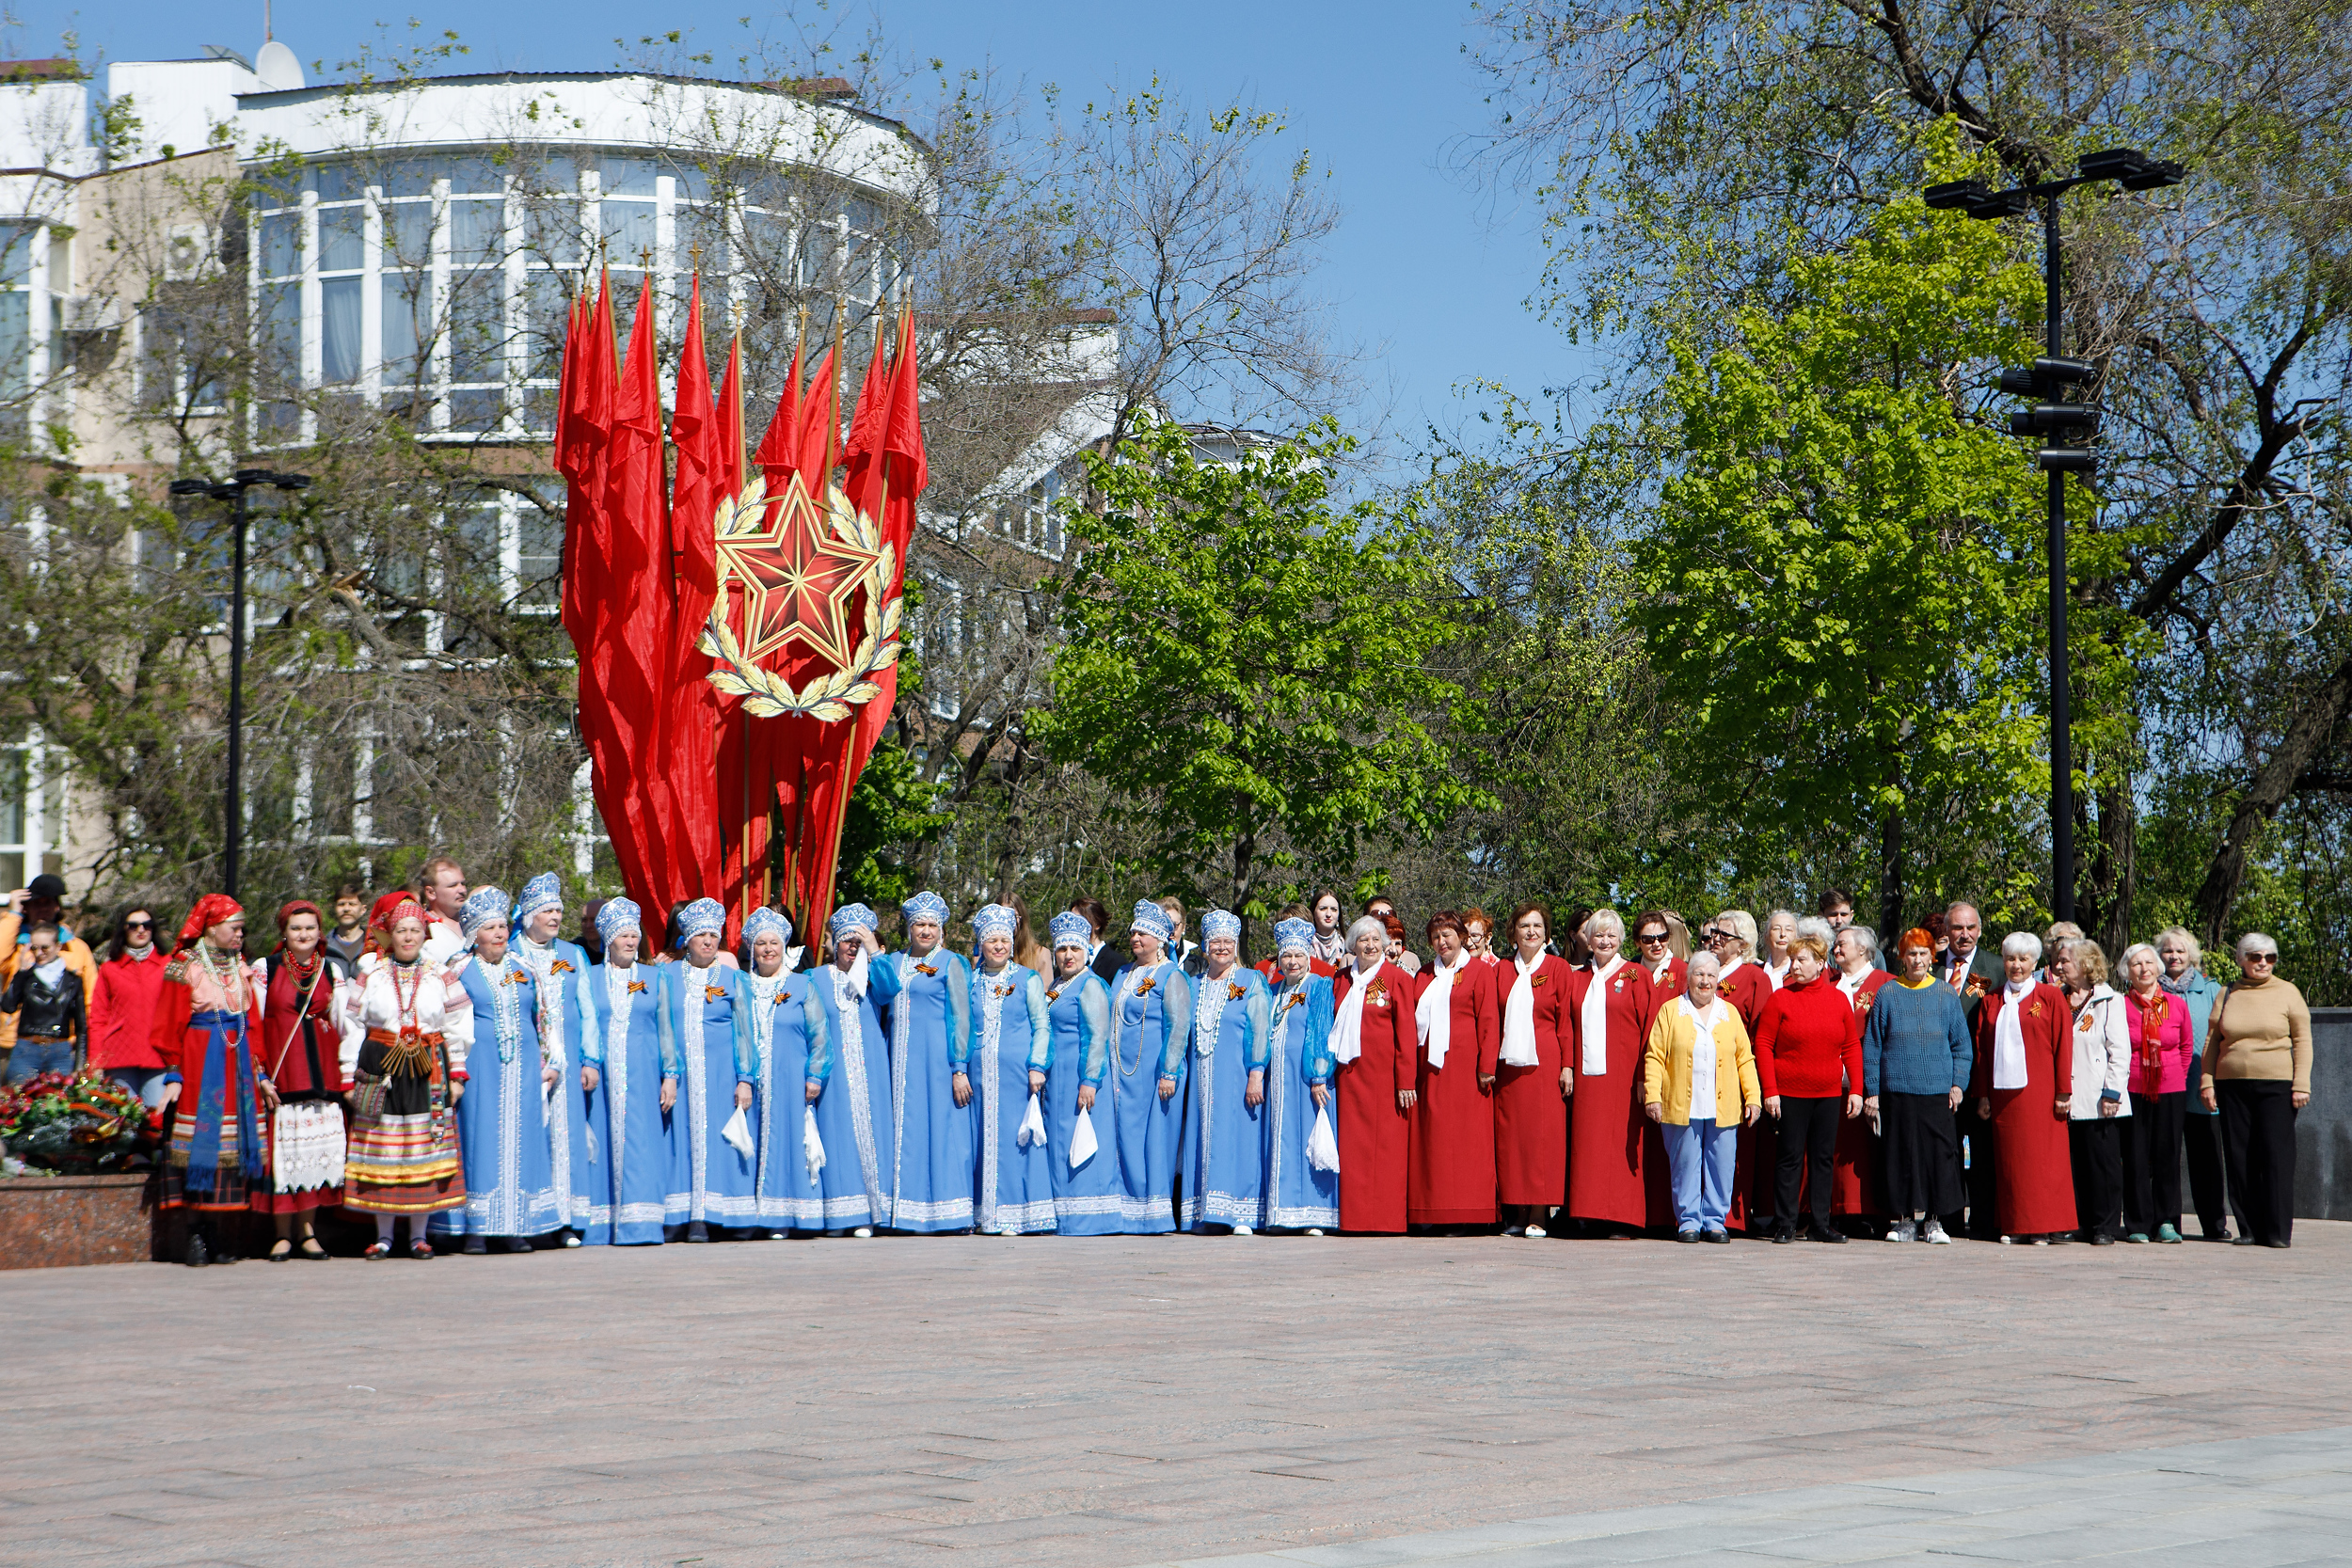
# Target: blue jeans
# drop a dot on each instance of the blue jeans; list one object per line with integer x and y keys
{"x": 30, "y": 1057}
{"x": 145, "y": 1082}
{"x": 1701, "y": 1158}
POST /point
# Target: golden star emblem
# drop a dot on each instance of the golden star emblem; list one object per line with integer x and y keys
{"x": 799, "y": 579}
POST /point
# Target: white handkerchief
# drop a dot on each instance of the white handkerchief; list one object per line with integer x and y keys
{"x": 737, "y": 1133}
{"x": 1323, "y": 1146}
{"x": 1032, "y": 1131}
{"x": 1082, "y": 1144}
{"x": 812, "y": 1146}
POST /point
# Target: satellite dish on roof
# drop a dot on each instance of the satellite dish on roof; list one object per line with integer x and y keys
{"x": 278, "y": 68}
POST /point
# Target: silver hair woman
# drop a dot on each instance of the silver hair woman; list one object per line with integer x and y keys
{"x": 2258, "y": 1074}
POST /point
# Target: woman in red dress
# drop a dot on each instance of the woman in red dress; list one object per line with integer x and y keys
{"x": 1450, "y": 1178}
{"x": 1653, "y": 945}
{"x": 2024, "y": 1082}
{"x": 302, "y": 1079}
{"x": 1532, "y": 1031}
{"x": 1372, "y": 1040}
{"x": 205, "y": 1022}
{"x": 1617, "y": 1161}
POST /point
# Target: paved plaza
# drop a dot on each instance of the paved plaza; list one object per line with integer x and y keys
{"x": 1131, "y": 1401}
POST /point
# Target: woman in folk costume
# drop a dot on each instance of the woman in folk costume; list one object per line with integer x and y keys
{"x": 1535, "y": 1029}
{"x": 511, "y": 1071}
{"x": 1223, "y": 1153}
{"x": 789, "y": 1044}
{"x": 1012, "y": 1052}
{"x": 630, "y": 1073}
{"x": 301, "y": 1059}
{"x": 205, "y": 1026}
{"x": 1373, "y": 1042}
{"x": 702, "y": 1001}
{"x": 1616, "y": 1160}
{"x": 1151, "y": 1017}
{"x": 581, "y": 1186}
{"x": 2024, "y": 1086}
{"x": 406, "y": 1082}
{"x": 931, "y": 1121}
{"x": 853, "y": 1115}
{"x": 1299, "y": 1194}
{"x": 1450, "y": 1178}
{"x": 1078, "y": 1007}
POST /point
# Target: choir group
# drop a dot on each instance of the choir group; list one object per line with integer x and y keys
{"x": 495, "y": 1083}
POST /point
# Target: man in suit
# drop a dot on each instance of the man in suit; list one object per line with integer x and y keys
{"x": 1974, "y": 971}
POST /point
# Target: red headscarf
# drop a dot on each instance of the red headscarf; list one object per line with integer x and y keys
{"x": 390, "y": 911}
{"x": 300, "y": 906}
{"x": 209, "y": 911}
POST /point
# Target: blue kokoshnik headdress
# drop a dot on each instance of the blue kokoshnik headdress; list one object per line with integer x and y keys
{"x": 1220, "y": 923}
{"x": 618, "y": 916}
{"x": 1294, "y": 936}
{"x": 482, "y": 906}
{"x": 925, "y": 905}
{"x": 995, "y": 920}
{"x": 764, "y": 921}
{"x": 1150, "y": 917}
{"x": 849, "y": 918}
{"x": 703, "y": 914}
{"x": 1071, "y": 929}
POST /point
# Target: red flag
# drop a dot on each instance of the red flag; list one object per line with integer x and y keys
{"x": 643, "y": 594}
{"x": 905, "y": 470}
{"x": 689, "y": 752}
{"x": 779, "y": 450}
{"x": 862, "y": 453}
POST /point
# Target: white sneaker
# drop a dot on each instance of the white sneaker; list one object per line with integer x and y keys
{"x": 1243, "y": 1230}
{"x": 1901, "y": 1230}
{"x": 864, "y": 1232}
{"x": 1536, "y": 1233}
{"x": 1314, "y": 1230}
{"x": 1934, "y": 1235}
{"x": 1515, "y": 1230}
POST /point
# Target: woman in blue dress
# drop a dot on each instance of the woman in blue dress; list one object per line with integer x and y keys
{"x": 1223, "y": 1156}
{"x": 710, "y": 1179}
{"x": 632, "y": 1076}
{"x": 788, "y": 1030}
{"x": 1151, "y": 1017}
{"x": 932, "y": 1176}
{"x": 562, "y": 969}
{"x": 1085, "y": 1199}
{"x": 853, "y": 1114}
{"x": 1011, "y": 1052}
{"x": 1298, "y": 1085}
{"x": 502, "y": 1118}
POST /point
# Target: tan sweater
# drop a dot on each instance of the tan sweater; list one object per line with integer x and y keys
{"x": 2261, "y": 1029}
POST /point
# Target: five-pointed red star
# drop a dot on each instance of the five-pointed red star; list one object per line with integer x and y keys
{"x": 798, "y": 581}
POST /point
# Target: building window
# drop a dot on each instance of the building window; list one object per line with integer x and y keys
{"x": 28, "y": 799}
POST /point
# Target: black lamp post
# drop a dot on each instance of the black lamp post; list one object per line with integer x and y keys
{"x": 2061, "y": 389}
{"x": 232, "y": 491}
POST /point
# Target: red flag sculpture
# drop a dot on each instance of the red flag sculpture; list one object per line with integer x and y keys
{"x": 737, "y": 628}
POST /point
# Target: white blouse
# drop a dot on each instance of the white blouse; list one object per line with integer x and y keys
{"x": 369, "y": 1004}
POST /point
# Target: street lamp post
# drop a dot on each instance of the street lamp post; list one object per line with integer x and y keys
{"x": 2061, "y": 389}
{"x": 232, "y": 490}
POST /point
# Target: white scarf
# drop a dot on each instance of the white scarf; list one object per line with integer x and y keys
{"x": 1518, "y": 1015}
{"x": 1850, "y": 984}
{"x": 2008, "y": 1037}
{"x": 1594, "y": 1021}
{"x": 1434, "y": 1014}
{"x": 1732, "y": 965}
{"x": 1348, "y": 1029}
{"x": 851, "y": 980}
{"x": 1773, "y": 972}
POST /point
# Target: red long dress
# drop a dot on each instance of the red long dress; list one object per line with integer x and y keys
{"x": 1617, "y": 1161}
{"x": 1372, "y": 1125}
{"x": 1530, "y": 1122}
{"x": 1858, "y": 1182}
{"x": 305, "y": 1063}
{"x": 2032, "y": 1162}
{"x": 1450, "y": 1178}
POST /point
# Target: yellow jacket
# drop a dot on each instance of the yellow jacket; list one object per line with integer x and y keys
{"x": 1666, "y": 1065}
{"x": 79, "y": 961}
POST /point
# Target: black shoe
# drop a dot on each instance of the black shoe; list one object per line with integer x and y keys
{"x": 1721, "y": 1237}
{"x": 2098, "y": 1238}
{"x": 477, "y": 1246}
{"x": 2279, "y": 1241}
{"x": 2221, "y": 1235}
{"x": 698, "y": 1231}
{"x": 1830, "y": 1234}
{"x": 1783, "y": 1235}
{"x": 1686, "y": 1235}
{"x": 199, "y": 1254}
{"x": 518, "y": 1243}
{"x": 2243, "y": 1241}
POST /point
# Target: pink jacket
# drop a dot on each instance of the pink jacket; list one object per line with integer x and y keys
{"x": 2167, "y": 1054}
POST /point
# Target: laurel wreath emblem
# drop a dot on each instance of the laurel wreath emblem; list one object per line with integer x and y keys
{"x": 828, "y": 697}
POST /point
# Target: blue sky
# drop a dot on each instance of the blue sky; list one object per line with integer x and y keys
{"x": 1427, "y": 273}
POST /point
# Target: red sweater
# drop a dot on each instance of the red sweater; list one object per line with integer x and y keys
{"x": 1806, "y": 1035}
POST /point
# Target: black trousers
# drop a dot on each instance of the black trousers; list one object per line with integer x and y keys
{"x": 2258, "y": 1153}
{"x": 2096, "y": 1145}
{"x": 2200, "y": 1138}
{"x": 1976, "y": 1134}
{"x": 2152, "y": 1163}
{"x": 1922, "y": 1154}
{"x": 1808, "y": 1136}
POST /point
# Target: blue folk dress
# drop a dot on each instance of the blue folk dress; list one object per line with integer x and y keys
{"x": 937, "y": 1149}
{"x": 581, "y": 1183}
{"x": 1298, "y": 1196}
{"x": 788, "y": 1037}
{"x": 1223, "y": 1156}
{"x": 636, "y": 1137}
{"x": 502, "y": 1118}
{"x": 853, "y": 1114}
{"x": 1152, "y": 1012}
{"x": 1012, "y": 1037}
{"x": 710, "y": 1181}
{"x": 1086, "y": 1200}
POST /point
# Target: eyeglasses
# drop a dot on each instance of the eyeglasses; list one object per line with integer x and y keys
{"x": 2261, "y": 958}
{"x": 1712, "y": 934}
{"x": 1646, "y": 938}
{"x": 138, "y": 924}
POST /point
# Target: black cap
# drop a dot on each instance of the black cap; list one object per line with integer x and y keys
{"x": 47, "y": 885}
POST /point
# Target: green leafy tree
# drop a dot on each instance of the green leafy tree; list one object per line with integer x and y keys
{"x": 1248, "y": 668}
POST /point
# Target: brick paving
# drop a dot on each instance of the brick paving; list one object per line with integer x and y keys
{"x": 1117, "y": 1401}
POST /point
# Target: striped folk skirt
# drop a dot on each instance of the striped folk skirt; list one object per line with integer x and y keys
{"x": 404, "y": 1155}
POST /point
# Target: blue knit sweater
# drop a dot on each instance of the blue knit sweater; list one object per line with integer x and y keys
{"x": 1916, "y": 1042}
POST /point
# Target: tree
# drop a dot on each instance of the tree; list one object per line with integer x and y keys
{"x": 1245, "y": 669}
